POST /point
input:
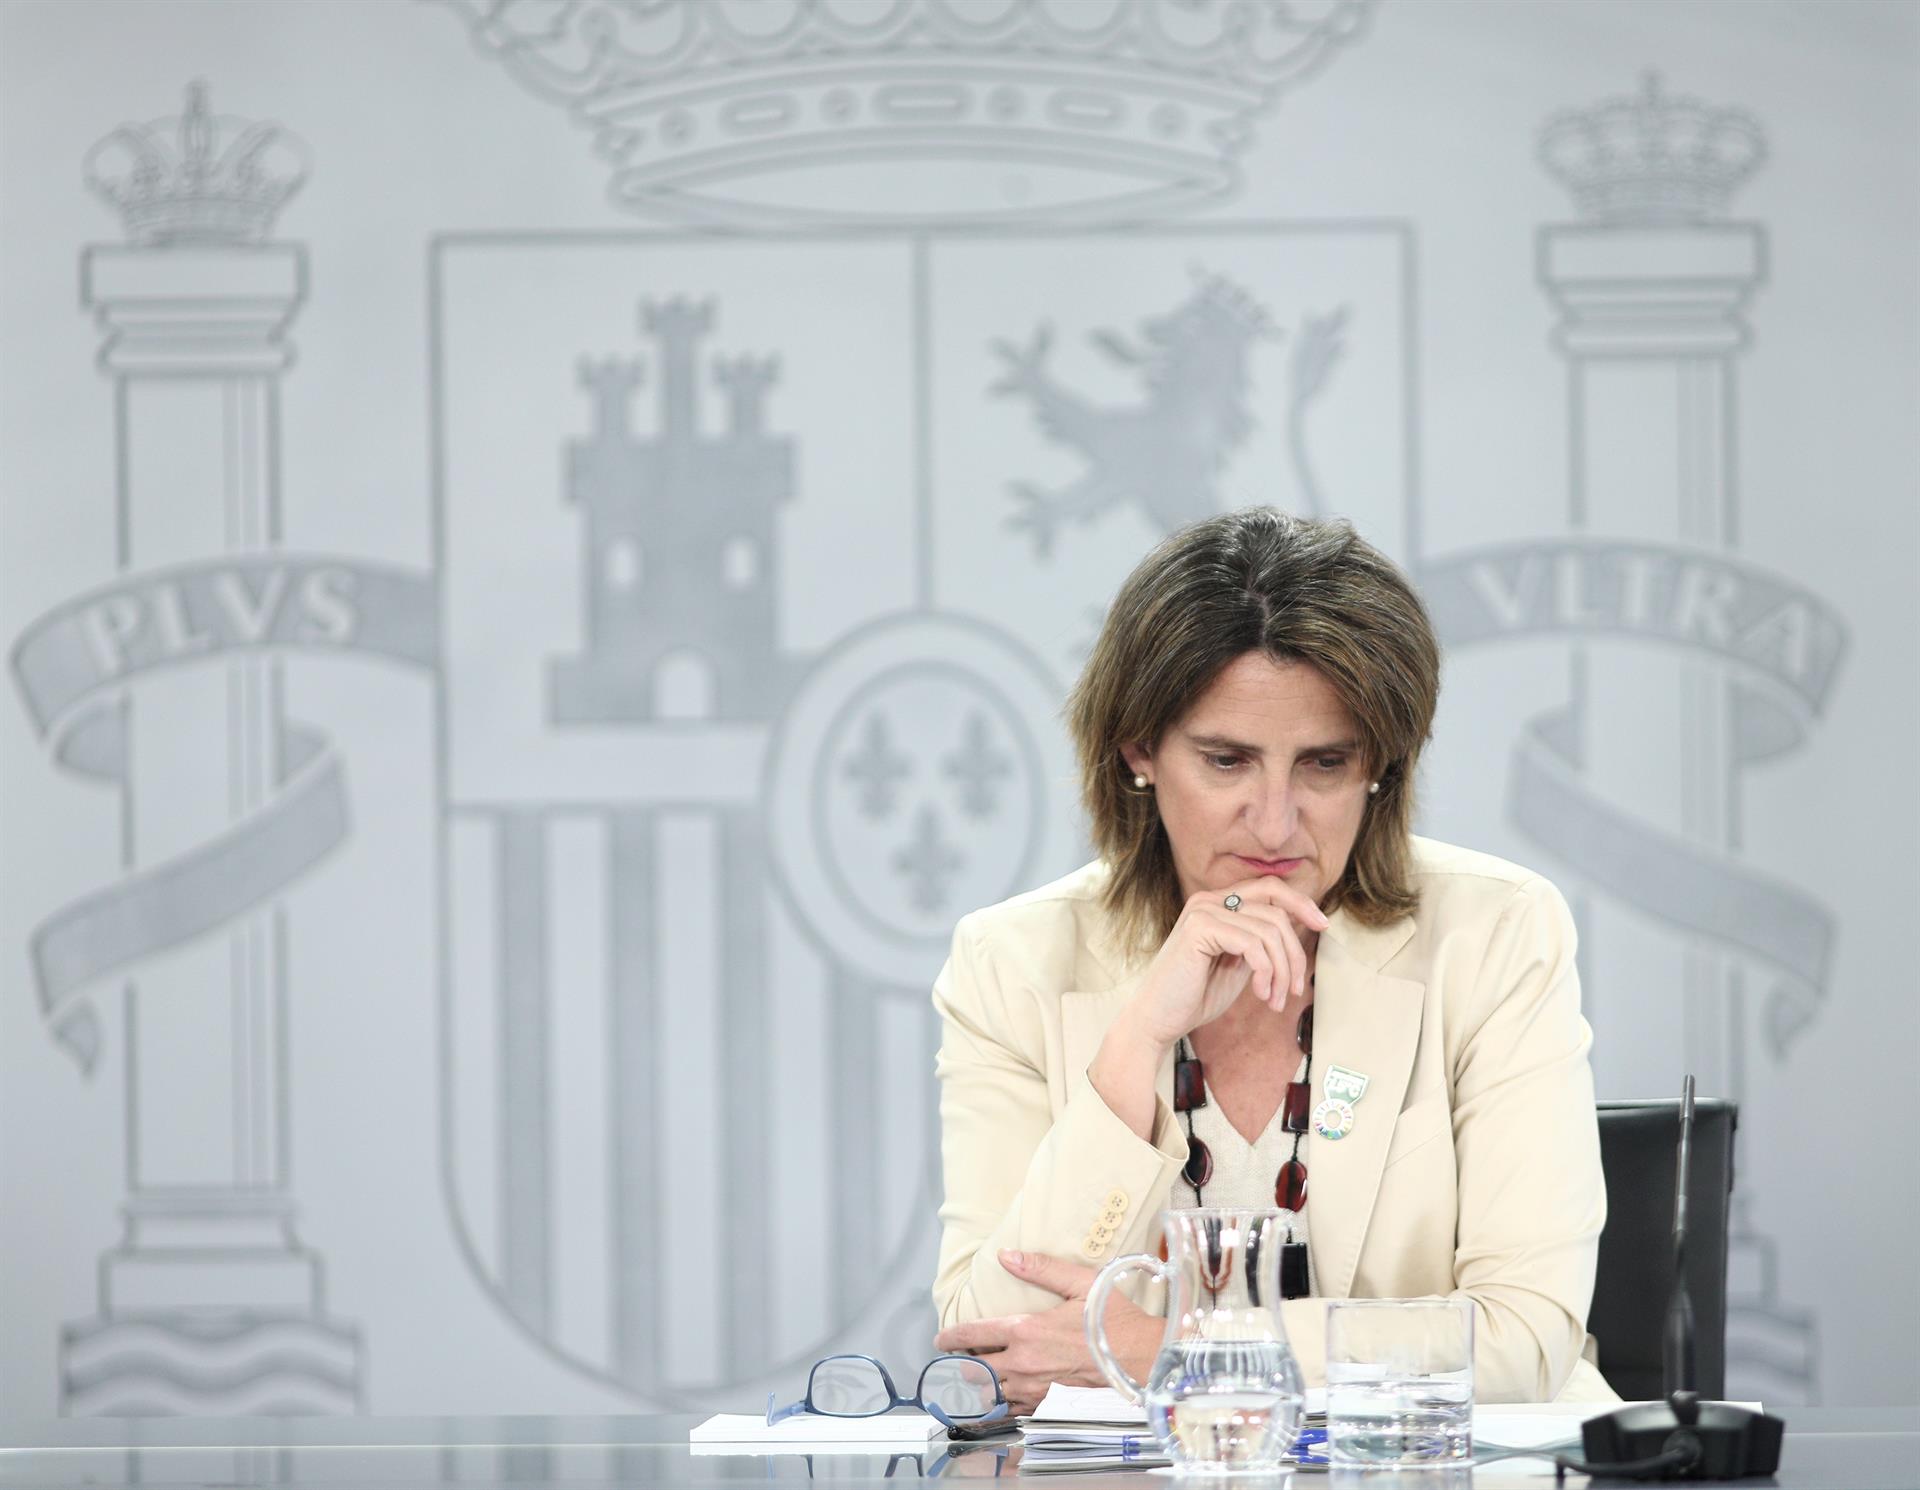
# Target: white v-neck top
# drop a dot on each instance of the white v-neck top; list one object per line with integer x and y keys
{"x": 1244, "y": 1173}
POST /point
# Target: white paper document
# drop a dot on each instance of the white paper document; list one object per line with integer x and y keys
{"x": 747, "y": 1432}
{"x": 1082, "y": 1429}
{"x": 1101, "y": 1405}
{"x": 1064, "y": 1404}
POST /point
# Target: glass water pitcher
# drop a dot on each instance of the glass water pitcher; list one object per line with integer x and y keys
{"x": 1224, "y": 1393}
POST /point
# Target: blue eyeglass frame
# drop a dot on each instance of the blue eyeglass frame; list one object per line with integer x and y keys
{"x": 934, "y": 1409}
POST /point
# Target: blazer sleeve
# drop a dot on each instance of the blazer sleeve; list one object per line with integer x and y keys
{"x": 1532, "y": 1198}
{"x": 1080, "y": 1185}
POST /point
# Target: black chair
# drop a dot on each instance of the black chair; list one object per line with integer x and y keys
{"x": 1635, "y": 1276}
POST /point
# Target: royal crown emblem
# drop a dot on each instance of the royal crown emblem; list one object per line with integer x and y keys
{"x": 216, "y": 180}
{"x": 1652, "y": 157}
{"x": 742, "y": 111}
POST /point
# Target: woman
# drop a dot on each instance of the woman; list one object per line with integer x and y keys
{"x": 1386, "y": 1029}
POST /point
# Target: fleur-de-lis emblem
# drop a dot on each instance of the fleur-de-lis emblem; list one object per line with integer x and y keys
{"x": 928, "y": 861}
{"x": 978, "y": 767}
{"x": 877, "y": 769}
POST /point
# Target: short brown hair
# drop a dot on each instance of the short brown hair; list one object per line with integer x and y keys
{"x": 1295, "y": 590}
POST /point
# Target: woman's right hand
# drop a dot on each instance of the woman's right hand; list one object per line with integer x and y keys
{"x": 1213, "y": 955}
{"x": 1208, "y": 960}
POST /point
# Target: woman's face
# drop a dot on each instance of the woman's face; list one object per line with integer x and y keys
{"x": 1264, "y": 775}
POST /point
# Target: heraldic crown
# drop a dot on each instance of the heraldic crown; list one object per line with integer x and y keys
{"x": 1652, "y": 157}
{"x": 705, "y": 107}
{"x": 218, "y": 180}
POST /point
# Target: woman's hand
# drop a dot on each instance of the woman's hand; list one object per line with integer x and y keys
{"x": 1029, "y": 1352}
{"x": 1208, "y": 960}
{"x": 1213, "y": 955}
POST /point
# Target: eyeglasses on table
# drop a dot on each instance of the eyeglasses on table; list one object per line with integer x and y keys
{"x": 952, "y": 1388}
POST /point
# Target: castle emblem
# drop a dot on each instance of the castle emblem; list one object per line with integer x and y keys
{"x": 678, "y": 578}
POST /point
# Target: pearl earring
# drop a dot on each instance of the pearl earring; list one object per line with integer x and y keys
{"x": 1139, "y": 781}
{"x": 1374, "y": 790}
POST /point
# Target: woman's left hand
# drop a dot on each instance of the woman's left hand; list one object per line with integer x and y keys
{"x": 1029, "y": 1352}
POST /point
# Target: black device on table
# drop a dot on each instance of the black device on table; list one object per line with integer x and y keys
{"x": 1681, "y": 1438}
{"x": 965, "y": 1432}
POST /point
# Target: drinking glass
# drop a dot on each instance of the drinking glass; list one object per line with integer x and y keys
{"x": 1399, "y": 1382}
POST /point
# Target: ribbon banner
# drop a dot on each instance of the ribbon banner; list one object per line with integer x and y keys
{"x": 1783, "y": 646}
{"x": 1699, "y": 600}
{"x": 72, "y": 666}
{"x": 196, "y": 612}
{"x": 1687, "y": 886}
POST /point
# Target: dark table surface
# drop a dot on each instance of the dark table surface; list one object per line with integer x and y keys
{"x": 1876, "y": 1448}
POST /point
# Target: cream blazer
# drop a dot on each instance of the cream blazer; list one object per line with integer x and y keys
{"x": 1473, "y": 1167}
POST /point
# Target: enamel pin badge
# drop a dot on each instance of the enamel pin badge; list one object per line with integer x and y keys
{"x": 1333, "y": 1118}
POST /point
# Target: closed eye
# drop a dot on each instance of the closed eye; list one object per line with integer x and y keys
{"x": 1224, "y": 761}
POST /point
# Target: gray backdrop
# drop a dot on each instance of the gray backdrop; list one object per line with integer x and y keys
{"x": 544, "y": 540}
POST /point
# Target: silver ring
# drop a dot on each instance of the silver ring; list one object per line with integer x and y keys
{"x": 1232, "y": 902}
